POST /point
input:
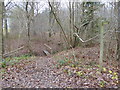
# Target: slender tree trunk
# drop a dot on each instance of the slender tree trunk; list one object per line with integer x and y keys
{"x": 70, "y": 24}
{"x": 59, "y": 23}
{"x": 51, "y": 21}
{"x": 6, "y": 27}
{"x": 28, "y": 27}
{"x": 73, "y": 23}
{"x": 32, "y": 17}
{"x": 101, "y": 45}
{"x": 1, "y": 30}
{"x": 50, "y": 27}
{"x": 5, "y": 22}
{"x": 76, "y": 24}
{"x": 118, "y": 34}
{"x": 28, "y": 21}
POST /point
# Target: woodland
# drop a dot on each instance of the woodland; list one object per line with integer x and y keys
{"x": 60, "y": 44}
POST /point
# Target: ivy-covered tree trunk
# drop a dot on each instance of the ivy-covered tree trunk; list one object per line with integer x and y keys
{"x": 89, "y": 23}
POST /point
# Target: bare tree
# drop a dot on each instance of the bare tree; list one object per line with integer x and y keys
{"x": 30, "y": 19}
{"x": 59, "y": 23}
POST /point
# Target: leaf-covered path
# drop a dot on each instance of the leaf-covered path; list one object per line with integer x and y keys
{"x": 41, "y": 72}
{"x": 37, "y": 73}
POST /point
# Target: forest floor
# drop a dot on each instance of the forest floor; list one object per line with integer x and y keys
{"x": 75, "y": 68}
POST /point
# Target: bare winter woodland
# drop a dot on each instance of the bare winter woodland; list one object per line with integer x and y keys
{"x": 59, "y": 44}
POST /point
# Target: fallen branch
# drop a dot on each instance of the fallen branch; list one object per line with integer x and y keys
{"x": 13, "y": 51}
{"x": 85, "y": 40}
{"x": 48, "y": 48}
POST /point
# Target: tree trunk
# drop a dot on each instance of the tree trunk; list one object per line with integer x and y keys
{"x": 101, "y": 45}
{"x": 118, "y": 34}
{"x": 5, "y": 21}
{"x": 59, "y": 23}
{"x": 6, "y": 27}
{"x": 28, "y": 27}
{"x": 1, "y": 30}
{"x": 76, "y": 18}
{"x": 28, "y": 21}
{"x": 51, "y": 21}
{"x": 70, "y": 23}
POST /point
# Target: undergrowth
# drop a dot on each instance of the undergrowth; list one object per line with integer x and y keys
{"x": 74, "y": 63}
{"x": 13, "y": 60}
{"x": 87, "y": 71}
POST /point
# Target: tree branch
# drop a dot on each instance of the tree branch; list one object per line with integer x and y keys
{"x": 13, "y": 51}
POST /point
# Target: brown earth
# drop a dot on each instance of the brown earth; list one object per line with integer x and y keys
{"x": 41, "y": 72}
